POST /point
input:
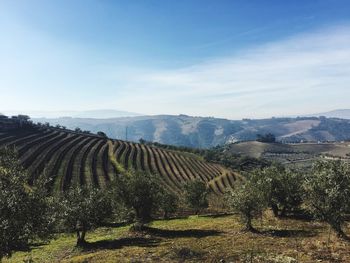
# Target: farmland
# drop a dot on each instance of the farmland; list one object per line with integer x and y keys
{"x": 199, "y": 239}
{"x": 71, "y": 158}
{"x": 79, "y": 158}
{"x": 298, "y": 154}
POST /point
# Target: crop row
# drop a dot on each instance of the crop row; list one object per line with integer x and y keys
{"x": 68, "y": 159}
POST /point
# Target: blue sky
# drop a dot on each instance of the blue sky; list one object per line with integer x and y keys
{"x": 231, "y": 59}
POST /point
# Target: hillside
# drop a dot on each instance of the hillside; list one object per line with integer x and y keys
{"x": 290, "y": 154}
{"x": 71, "y": 158}
{"x": 206, "y": 132}
{"x": 99, "y": 114}
{"x": 342, "y": 114}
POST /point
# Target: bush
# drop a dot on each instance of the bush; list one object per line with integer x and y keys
{"x": 283, "y": 188}
{"x": 222, "y": 155}
{"x": 249, "y": 200}
{"x": 196, "y": 195}
{"x": 102, "y": 134}
{"x": 168, "y": 202}
{"x": 268, "y": 137}
{"x": 25, "y": 212}
{"x": 140, "y": 192}
{"x": 328, "y": 193}
{"x": 83, "y": 209}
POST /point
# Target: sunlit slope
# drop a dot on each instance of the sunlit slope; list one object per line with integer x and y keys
{"x": 69, "y": 158}
{"x": 259, "y": 149}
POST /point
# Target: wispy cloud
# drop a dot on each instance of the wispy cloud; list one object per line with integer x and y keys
{"x": 304, "y": 73}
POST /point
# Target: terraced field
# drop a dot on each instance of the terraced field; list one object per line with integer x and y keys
{"x": 70, "y": 158}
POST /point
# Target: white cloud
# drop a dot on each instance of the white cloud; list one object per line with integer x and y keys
{"x": 302, "y": 74}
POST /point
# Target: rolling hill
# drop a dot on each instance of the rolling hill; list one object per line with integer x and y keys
{"x": 98, "y": 114}
{"x": 341, "y": 114}
{"x": 72, "y": 158}
{"x": 299, "y": 154}
{"x": 206, "y": 132}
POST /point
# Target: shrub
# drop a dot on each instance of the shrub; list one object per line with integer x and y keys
{"x": 140, "y": 192}
{"x": 249, "y": 200}
{"x": 25, "y": 212}
{"x": 268, "y": 137}
{"x": 328, "y": 193}
{"x": 167, "y": 202}
{"x": 283, "y": 188}
{"x": 196, "y": 195}
{"x": 83, "y": 209}
{"x": 102, "y": 134}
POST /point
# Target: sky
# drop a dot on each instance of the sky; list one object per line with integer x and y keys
{"x": 232, "y": 59}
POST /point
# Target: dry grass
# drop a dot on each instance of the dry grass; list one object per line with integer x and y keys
{"x": 201, "y": 239}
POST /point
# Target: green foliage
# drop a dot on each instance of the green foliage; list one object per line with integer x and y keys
{"x": 25, "y": 212}
{"x": 283, "y": 188}
{"x": 119, "y": 168}
{"x": 139, "y": 191}
{"x": 102, "y": 134}
{"x": 268, "y": 137}
{"x": 173, "y": 147}
{"x": 328, "y": 193}
{"x": 249, "y": 200}
{"x": 222, "y": 155}
{"x": 196, "y": 195}
{"x": 83, "y": 209}
{"x": 168, "y": 202}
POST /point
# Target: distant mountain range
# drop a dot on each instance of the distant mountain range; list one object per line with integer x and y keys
{"x": 342, "y": 114}
{"x": 205, "y": 132}
{"x": 97, "y": 114}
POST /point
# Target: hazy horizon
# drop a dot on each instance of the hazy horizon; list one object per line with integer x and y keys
{"x": 223, "y": 59}
{"x": 117, "y": 113}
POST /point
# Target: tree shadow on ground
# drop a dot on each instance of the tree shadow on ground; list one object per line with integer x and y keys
{"x": 113, "y": 224}
{"x": 152, "y": 238}
{"x": 122, "y": 242}
{"x": 216, "y": 215}
{"x": 288, "y": 233}
{"x": 298, "y": 215}
{"x": 27, "y": 248}
{"x": 168, "y": 233}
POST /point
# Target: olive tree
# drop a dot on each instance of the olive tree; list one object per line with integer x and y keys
{"x": 102, "y": 134}
{"x": 328, "y": 193}
{"x": 196, "y": 195}
{"x": 249, "y": 200}
{"x": 139, "y": 191}
{"x": 83, "y": 209}
{"x": 168, "y": 202}
{"x": 25, "y": 211}
{"x": 283, "y": 188}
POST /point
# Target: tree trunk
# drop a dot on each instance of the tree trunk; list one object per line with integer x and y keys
{"x": 283, "y": 212}
{"x": 248, "y": 224}
{"x": 274, "y": 209}
{"x": 165, "y": 215}
{"x": 340, "y": 233}
{"x": 81, "y": 238}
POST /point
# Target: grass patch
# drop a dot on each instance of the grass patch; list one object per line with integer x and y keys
{"x": 199, "y": 238}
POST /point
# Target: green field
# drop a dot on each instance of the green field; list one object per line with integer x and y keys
{"x": 200, "y": 239}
